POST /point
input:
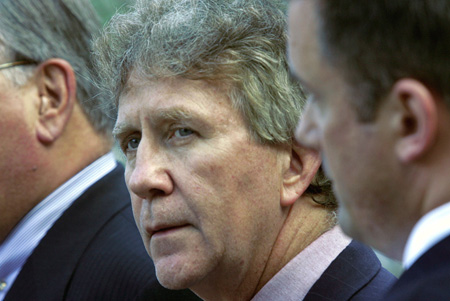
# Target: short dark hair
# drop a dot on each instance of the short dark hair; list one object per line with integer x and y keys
{"x": 377, "y": 42}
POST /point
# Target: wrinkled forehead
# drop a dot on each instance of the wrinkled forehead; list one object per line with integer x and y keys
{"x": 139, "y": 81}
{"x": 144, "y": 91}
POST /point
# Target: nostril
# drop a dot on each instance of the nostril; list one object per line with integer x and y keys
{"x": 156, "y": 193}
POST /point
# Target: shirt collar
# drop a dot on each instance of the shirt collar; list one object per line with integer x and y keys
{"x": 24, "y": 238}
{"x": 297, "y": 277}
{"x": 429, "y": 230}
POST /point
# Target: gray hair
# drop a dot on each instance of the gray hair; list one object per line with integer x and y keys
{"x": 37, "y": 30}
{"x": 240, "y": 43}
{"x": 237, "y": 43}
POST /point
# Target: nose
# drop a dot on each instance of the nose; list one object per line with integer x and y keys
{"x": 307, "y": 132}
{"x": 147, "y": 175}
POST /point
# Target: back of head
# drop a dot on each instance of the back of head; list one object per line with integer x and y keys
{"x": 376, "y": 43}
{"x": 37, "y": 30}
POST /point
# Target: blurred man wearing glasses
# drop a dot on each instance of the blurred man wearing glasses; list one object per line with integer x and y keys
{"x": 66, "y": 226}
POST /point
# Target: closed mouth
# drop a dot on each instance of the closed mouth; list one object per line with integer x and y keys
{"x": 166, "y": 230}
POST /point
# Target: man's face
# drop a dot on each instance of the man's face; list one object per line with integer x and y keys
{"x": 206, "y": 197}
{"x": 355, "y": 155}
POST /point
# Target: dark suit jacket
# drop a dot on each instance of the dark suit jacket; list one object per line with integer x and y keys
{"x": 356, "y": 274}
{"x": 428, "y": 278}
{"x": 92, "y": 252}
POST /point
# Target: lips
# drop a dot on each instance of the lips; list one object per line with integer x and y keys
{"x": 163, "y": 229}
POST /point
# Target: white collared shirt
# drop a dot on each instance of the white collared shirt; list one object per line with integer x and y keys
{"x": 24, "y": 238}
{"x": 428, "y": 231}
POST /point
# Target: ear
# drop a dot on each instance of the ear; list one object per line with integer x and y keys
{"x": 57, "y": 96}
{"x": 303, "y": 165}
{"x": 418, "y": 120}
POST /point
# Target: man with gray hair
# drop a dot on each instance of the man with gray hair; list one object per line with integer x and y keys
{"x": 66, "y": 225}
{"x": 226, "y": 203}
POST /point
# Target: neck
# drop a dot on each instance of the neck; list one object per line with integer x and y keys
{"x": 305, "y": 223}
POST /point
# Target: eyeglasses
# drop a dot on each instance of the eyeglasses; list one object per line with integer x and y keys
{"x": 14, "y": 64}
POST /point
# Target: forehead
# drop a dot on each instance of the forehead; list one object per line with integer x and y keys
{"x": 165, "y": 89}
{"x": 162, "y": 96}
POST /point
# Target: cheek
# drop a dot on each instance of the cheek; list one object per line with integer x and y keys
{"x": 136, "y": 201}
{"x": 218, "y": 176}
{"x": 235, "y": 184}
{"x": 20, "y": 158}
{"x": 136, "y": 204}
{"x": 338, "y": 140}
{"x": 208, "y": 183}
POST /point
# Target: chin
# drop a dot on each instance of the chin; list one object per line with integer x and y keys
{"x": 177, "y": 276}
{"x": 171, "y": 283}
{"x": 176, "y": 281}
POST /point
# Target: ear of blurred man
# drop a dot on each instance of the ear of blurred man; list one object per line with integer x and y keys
{"x": 417, "y": 120}
{"x": 56, "y": 85}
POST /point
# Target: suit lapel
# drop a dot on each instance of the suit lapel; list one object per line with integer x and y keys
{"x": 346, "y": 275}
{"x": 48, "y": 271}
{"x": 428, "y": 278}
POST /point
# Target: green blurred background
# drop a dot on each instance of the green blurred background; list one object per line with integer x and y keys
{"x": 106, "y": 8}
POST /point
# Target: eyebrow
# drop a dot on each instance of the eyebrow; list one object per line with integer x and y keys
{"x": 174, "y": 114}
{"x": 120, "y": 129}
{"x": 162, "y": 116}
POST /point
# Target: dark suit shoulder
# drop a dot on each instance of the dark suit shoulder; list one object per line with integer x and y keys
{"x": 115, "y": 265}
{"x": 356, "y": 274}
{"x": 92, "y": 252}
{"x": 426, "y": 279}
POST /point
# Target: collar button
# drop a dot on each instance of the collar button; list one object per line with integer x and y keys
{"x": 2, "y": 285}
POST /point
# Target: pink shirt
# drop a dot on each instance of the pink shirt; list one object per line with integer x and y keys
{"x": 297, "y": 277}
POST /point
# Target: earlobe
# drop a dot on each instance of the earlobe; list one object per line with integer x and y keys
{"x": 56, "y": 87}
{"x": 303, "y": 165}
{"x": 419, "y": 119}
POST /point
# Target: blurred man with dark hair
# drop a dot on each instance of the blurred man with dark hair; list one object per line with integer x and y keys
{"x": 66, "y": 225}
{"x": 226, "y": 203}
{"x": 377, "y": 74}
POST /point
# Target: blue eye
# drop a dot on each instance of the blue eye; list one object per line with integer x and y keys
{"x": 181, "y": 133}
{"x": 133, "y": 144}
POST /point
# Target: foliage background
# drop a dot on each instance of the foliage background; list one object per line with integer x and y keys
{"x": 106, "y": 8}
